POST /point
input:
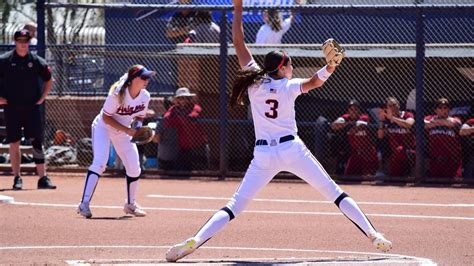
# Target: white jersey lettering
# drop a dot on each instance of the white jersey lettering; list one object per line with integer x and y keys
{"x": 130, "y": 108}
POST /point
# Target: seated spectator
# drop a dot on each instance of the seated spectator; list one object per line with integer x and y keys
{"x": 192, "y": 140}
{"x": 444, "y": 147}
{"x": 396, "y": 126}
{"x": 274, "y": 28}
{"x": 363, "y": 155}
{"x": 167, "y": 139}
{"x": 180, "y": 24}
{"x": 467, "y": 132}
{"x": 204, "y": 30}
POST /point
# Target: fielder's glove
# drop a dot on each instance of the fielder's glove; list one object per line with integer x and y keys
{"x": 143, "y": 135}
{"x": 333, "y": 52}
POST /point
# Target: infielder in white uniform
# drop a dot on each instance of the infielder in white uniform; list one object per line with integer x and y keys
{"x": 272, "y": 93}
{"x": 123, "y": 112}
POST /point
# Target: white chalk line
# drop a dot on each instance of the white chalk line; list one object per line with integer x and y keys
{"x": 398, "y": 258}
{"x": 460, "y": 218}
{"x": 461, "y": 205}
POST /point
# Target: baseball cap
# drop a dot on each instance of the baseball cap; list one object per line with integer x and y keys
{"x": 184, "y": 92}
{"x": 353, "y": 103}
{"x": 442, "y": 101}
{"x": 22, "y": 34}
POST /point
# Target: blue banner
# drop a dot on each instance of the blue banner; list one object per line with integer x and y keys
{"x": 248, "y": 16}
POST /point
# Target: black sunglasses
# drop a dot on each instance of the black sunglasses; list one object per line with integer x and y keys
{"x": 145, "y": 78}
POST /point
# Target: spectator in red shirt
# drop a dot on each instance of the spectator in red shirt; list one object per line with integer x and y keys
{"x": 467, "y": 132}
{"x": 192, "y": 140}
{"x": 444, "y": 146}
{"x": 396, "y": 126}
{"x": 363, "y": 155}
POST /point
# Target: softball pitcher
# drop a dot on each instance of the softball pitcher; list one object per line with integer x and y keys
{"x": 272, "y": 93}
{"x": 127, "y": 102}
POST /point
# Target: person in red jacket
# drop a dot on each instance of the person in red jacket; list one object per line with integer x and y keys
{"x": 444, "y": 147}
{"x": 467, "y": 132}
{"x": 397, "y": 126}
{"x": 192, "y": 140}
{"x": 363, "y": 154}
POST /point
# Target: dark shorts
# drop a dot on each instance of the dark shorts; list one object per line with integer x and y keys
{"x": 27, "y": 117}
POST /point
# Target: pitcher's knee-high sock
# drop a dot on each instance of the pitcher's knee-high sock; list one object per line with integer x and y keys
{"x": 215, "y": 224}
{"x": 132, "y": 185}
{"x": 350, "y": 209}
{"x": 90, "y": 184}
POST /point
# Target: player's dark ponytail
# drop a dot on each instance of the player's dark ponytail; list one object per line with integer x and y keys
{"x": 244, "y": 79}
{"x": 273, "y": 61}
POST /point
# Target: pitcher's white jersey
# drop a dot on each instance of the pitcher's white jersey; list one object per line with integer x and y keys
{"x": 273, "y": 106}
{"x": 130, "y": 108}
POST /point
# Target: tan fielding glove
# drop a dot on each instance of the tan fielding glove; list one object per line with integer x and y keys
{"x": 333, "y": 52}
{"x": 143, "y": 135}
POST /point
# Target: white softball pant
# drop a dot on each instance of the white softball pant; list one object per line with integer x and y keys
{"x": 291, "y": 156}
{"x": 294, "y": 157}
{"x": 102, "y": 137}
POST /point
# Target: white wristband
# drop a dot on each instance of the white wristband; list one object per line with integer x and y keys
{"x": 323, "y": 74}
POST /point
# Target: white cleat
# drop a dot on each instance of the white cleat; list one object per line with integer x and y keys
{"x": 134, "y": 210}
{"x": 380, "y": 242}
{"x": 182, "y": 249}
{"x": 84, "y": 210}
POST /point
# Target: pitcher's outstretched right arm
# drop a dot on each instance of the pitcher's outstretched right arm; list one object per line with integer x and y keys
{"x": 242, "y": 51}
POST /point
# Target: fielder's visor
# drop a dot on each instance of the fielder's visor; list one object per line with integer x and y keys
{"x": 143, "y": 72}
{"x": 147, "y": 73}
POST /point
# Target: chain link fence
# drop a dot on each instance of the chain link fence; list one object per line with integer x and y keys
{"x": 382, "y": 43}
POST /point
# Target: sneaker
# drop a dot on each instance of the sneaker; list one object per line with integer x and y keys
{"x": 84, "y": 210}
{"x": 134, "y": 210}
{"x": 17, "y": 183}
{"x": 181, "y": 250}
{"x": 45, "y": 183}
{"x": 379, "y": 241}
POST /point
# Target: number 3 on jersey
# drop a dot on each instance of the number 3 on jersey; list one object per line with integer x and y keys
{"x": 273, "y": 109}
